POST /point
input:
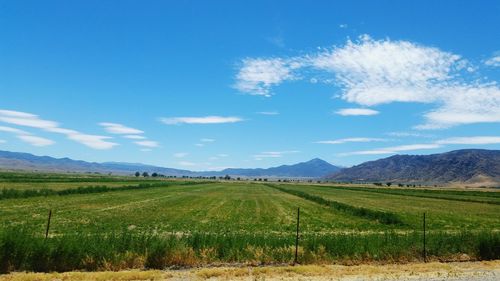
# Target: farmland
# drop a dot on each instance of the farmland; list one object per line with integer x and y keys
{"x": 157, "y": 223}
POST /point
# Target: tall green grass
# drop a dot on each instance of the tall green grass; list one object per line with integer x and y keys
{"x": 12, "y": 193}
{"x": 20, "y": 249}
{"x": 427, "y": 193}
{"x": 380, "y": 216}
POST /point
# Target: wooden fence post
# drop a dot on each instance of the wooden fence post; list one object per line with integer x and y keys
{"x": 48, "y": 224}
{"x": 425, "y": 250}
{"x": 297, "y": 237}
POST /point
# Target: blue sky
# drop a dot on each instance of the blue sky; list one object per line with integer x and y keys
{"x": 212, "y": 84}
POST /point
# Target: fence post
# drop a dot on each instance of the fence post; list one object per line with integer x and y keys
{"x": 425, "y": 252}
{"x": 297, "y": 236}
{"x": 48, "y": 224}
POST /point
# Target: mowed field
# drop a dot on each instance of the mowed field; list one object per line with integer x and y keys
{"x": 145, "y": 223}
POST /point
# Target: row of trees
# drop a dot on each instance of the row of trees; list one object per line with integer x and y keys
{"x": 146, "y": 174}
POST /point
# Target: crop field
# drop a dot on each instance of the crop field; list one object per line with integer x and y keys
{"x": 113, "y": 223}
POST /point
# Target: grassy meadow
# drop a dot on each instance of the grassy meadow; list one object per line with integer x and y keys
{"x": 115, "y": 223}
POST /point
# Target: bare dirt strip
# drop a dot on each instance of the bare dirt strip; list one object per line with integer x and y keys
{"x": 459, "y": 271}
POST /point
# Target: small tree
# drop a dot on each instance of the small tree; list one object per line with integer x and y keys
{"x": 154, "y": 175}
{"x": 389, "y": 183}
{"x": 137, "y": 174}
{"x": 145, "y": 174}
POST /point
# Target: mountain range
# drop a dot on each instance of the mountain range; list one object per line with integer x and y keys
{"x": 468, "y": 166}
{"x": 471, "y": 166}
{"x": 315, "y": 168}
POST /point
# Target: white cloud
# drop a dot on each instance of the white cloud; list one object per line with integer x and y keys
{"x": 394, "y": 149}
{"x": 27, "y": 137}
{"x": 200, "y": 120}
{"x": 343, "y": 25}
{"x": 33, "y": 121}
{"x": 180, "y": 154}
{"x": 223, "y": 155}
{"x": 471, "y": 140}
{"x": 92, "y": 141}
{"x": 409, "y": 134}
{"x": 374, "y": 72}
{"x": 147, "y": 143}
{"x": 356, "y": 112}
{"x": 268, "y": 113}
{"x": 273, "y": 154}
{"x": 474, "y": 140}
{"x": 199, "y": 144}
{"x": 187, "y": 163}
{"x": 130, "y": 133}
{"x": 135, "y": 137}
{"x": 207, "y": 140}
{"x": 347, "y": 140}
{"x": 13, "y": 130}
{"x": 119, "y": 129}
{"x": 257, "y": 76}
{"x": 465, "y": 104}
{"x": 493, "y": 61}
{"x": 35, "y": 141}
{"x": 2, "y": 141}
{"x": 146, "y": 149}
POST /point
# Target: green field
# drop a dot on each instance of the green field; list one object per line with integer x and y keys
{"x": 146, "y": 223}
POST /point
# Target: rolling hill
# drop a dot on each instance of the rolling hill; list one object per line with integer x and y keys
{"x": 471, "y": 166}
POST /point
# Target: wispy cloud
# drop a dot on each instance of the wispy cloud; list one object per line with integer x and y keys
{"x": 493, "y": 61}
{"x": 187, "y": 163}
{"x": 31, "y": 120}
{"x": 394, "y": 149}
{"x": 347, "y": 140}
{"x": 27, "y": 137}
{"x": 474, "y": 140}
{"x": 207, "y": 140}
{"x": 356, "y": 112}
{"x": 134, "y": 137}
{"x": 257, "y": 75}
{"x": 199, "y": 144}
{"x": 130, "y": 133}
{"x": 409, "y": 134}
{"x": 35, "y": 140}
{"x": 200, "y": 120}
{"x": 373, "y": 72}
{"x": 218, "y": 156}
{"x": 147, "y": 143}
{"x": 115, "y": 128}
{"x": 268, "y": 112}
{"x": 2, "y": 141}
{"x": 471, "y": 140}
{"x": 180, "y": 154}
{"x": 273, "y": 154}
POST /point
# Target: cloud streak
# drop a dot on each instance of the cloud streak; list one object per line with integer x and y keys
{"x": 273, "y": 154}
{"x": 356, "y": 112}
{"x": 475, "y": 140}
{"x": 27, "y": 137}
{"x": 119, "y": 129}
{"x": 200, "y": 120}
{"x": 348, "y": 140}
{"x": 34, "y": 121}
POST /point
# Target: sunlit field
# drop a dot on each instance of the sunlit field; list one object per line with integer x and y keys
{"x": 117, "y": 223}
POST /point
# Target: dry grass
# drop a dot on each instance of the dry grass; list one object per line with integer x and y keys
{"x": 414, "y": 271}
